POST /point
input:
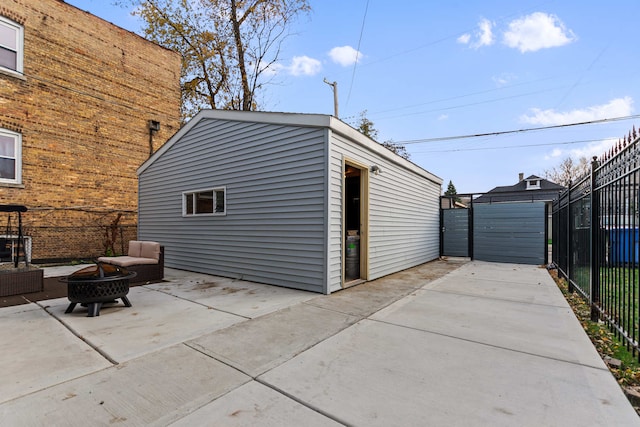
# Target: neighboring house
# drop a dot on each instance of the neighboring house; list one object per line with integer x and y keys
{"x": 297, "y": 200}
{"x": 80, "y": 102}
{"x": 508, "y": 224}
{"x": 528, "y": 189}
{"x": 531, "y": 189}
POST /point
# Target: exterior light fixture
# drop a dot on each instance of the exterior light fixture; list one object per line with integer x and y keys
{"x": 154, "y": 125}
{"x": 375, "y": 169}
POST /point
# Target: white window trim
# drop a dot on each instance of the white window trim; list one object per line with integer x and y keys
{"x": 17, "y": 140}
{"x": 197, "y": 215}
{"x": 532, "y": 186}
{"x": 19, "y": 71}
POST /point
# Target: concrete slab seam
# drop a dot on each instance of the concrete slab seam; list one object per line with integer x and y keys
{"x": 210, "y": 356}
{"x": 392, "y": 300}
{"x": 197, "y": 348}
{"x": 181, "y": 413}
{"x": 358, "y": 316}
{"x": 494, "y": 298}
{"x": 599, "y": 368}
{"x": 80, "y": 336}
{"x": 302, "y": 402}
{"x": 482, "y": 279}
{"x": 195, "y": 302}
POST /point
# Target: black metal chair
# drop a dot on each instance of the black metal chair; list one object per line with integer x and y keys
{"x": 6, "y": 242}
{"x": 5, "y": 248}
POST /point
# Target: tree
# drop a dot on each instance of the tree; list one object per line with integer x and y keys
{"x": 451, "y": 190}
{"x": 228, "y": 47}
{"x": 567, "y": 171}
{"x": 366, "y": 127}
{"x": 399, "y": 149}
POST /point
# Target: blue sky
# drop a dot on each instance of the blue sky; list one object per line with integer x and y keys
{"x": 433, "y": 69}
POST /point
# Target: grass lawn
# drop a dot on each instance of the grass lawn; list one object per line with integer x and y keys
{"x": 609, "y": 346}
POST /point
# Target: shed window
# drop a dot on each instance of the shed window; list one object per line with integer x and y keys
{"x": 10, "y": 157}
{"x": 11, "y": 39}
{"x": 204, "y": 202}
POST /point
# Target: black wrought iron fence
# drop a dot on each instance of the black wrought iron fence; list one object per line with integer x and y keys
{"x": 596, "y": 241}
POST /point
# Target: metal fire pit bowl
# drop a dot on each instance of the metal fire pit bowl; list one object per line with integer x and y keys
{"x": 96, "y": 285}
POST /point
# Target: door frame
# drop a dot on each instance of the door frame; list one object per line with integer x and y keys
{"x": 364, "y": 220}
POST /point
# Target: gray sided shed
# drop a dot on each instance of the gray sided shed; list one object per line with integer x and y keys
{"x": 291, "y": 185}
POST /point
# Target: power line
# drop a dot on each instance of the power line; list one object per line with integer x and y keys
{"x": 516, "y": 146}
{"x": 505, "y": 132}
{"x": 355, "y": 64}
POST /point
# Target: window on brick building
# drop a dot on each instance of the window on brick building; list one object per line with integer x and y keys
{"x": 11, "y": 42}
{"x": 204, "y": 202}
{"x": 10, "y": 157}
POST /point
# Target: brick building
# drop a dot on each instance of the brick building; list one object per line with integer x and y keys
{"x": 79, "y": 101}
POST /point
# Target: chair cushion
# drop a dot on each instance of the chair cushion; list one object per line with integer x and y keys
{"x": 150, "y": 250}
{"x": 126, "y": 261}
{"x": 135, "y": 248}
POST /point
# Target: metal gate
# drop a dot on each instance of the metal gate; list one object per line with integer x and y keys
{"x": 455, "y": 232}
{"x": 510, "y": 232}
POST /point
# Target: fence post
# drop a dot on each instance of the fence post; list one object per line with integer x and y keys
{"x": 594, "y": 229}
{"x": 568, "y": 225}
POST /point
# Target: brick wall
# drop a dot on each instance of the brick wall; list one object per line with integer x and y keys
{"x": 82, "y": 107}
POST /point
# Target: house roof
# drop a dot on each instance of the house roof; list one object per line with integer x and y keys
{"x": 292, "y": 119}
{"x": 547, "y": 190}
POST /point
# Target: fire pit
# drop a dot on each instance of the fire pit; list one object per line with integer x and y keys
{"x": 96, "y": 285}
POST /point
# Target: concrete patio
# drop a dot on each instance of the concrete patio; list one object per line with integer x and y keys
{"x": 445, "y": 343}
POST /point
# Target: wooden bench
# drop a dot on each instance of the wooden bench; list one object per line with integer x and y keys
{"x": 146, "y": 258}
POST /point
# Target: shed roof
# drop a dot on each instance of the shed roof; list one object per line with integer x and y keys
{"x": 292, "y": 119}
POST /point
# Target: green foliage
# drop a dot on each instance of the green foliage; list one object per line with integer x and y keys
{"x": 366, "y": 127}
{"x": 227, "y": 46}
{"x": 604, "y": 340}
{"x": 451, "y": 189}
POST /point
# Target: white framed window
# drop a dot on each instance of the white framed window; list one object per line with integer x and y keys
{"x": 11, "y": 45}
{"x": 205, "y": 202}
{"x": 10, "y": 157}
{"x": 533, "y": 184}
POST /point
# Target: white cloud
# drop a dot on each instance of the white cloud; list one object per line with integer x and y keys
{"x": 556, "y": 152}
{"x": 619, "y": 107}
{"x": 485, "y": 35}
{"x": 537, "y": 31}
{"x": 464, "y": 39}
{"x": 299, "y": 66}
{"x": 592, "y": 149}
{"x": 345, "y": 55}
{"x": 504, "y": 79}
{"x": 443, "y": 117}
{"x": 482, "y": 37}
{"x": 304, "y": 66}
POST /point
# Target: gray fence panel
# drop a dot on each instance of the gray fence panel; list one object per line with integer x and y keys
{"x": 455, "y": 233}
{"x": 509, "y": 232}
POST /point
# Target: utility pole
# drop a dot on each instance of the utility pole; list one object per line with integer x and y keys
{"x": 334, "y": 85}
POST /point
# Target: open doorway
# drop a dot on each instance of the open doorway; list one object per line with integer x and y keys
{"x": 355, "y": 223}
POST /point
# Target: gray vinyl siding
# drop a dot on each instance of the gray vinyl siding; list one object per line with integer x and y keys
{"x": 509, "y": 232}
{"x": 274, "y": 230}
{"x": 404, "y": 213}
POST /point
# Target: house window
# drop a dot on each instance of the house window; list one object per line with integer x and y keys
{"x": 10, "y": 157}
{"x": 533, "y": 184}
{"x": 11, "y": 39}
{"x": 204, "y": 202}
